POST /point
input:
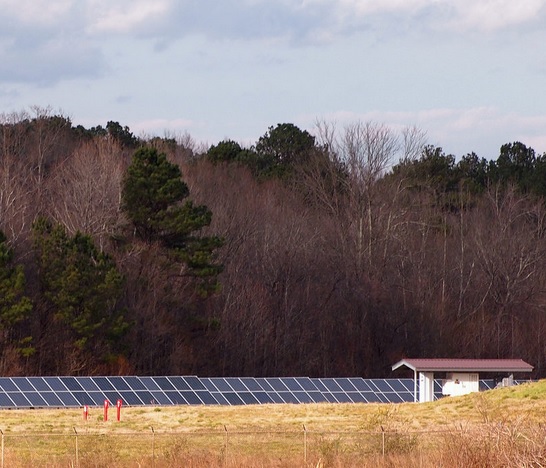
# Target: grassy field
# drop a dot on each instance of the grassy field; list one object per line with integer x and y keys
{"x": 503, "y": 427}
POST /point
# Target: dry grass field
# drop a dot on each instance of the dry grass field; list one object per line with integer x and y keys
{"x": 504, "y": 427}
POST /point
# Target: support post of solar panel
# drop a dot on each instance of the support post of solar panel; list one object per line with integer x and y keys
{"x": 1, "y": 431}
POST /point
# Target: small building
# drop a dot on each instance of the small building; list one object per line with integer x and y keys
{"x": 461, "y": 375}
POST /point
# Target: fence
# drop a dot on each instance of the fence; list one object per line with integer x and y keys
{"x": 225, "y": 448}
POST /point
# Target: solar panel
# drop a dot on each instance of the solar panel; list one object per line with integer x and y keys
{"x": 31, "y": 392}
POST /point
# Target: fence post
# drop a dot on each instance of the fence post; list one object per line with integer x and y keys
{"x": 2, "y": 447}
{"x": 153, "y": 446}
{"x": 383, "y": 441}
{"x": 226, "y": 446}
{"x": 77, "y": 454}
{"x": 304, "y": 445}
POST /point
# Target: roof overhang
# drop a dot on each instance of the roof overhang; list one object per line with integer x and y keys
{"x": 464, "y": 365}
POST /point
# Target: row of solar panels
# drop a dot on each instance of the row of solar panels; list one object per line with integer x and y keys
{"x": 39, "y": 392}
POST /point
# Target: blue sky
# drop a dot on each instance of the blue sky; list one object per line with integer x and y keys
{"x": 470, "y": 73}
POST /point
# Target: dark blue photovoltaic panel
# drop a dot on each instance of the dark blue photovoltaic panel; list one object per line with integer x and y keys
{"x": 356, "y": 397}
{"x": 191, "y": 397}
{"x": 67, "y": 399}
{"x": 251, "y": 384}
{"x": 277, "y": 384}
{"x": 233, "y": 398}
{"x": 35, "y": 399}
{"x": 306, "y": 384}
{"x": 397, "y": 386}
{"x": 159, "y": 398}
{"x": 393, "y": 397}
{"x": 248, "y": 398}
{"x": 83, "y": 398}
{"x": 112, "y": 397}
{"x": 39, "y": 384}
{"x": 97, "y": 397}
{"x": 371, "y": 397}
{"x": 103, "y": 383}
{"x": 320, "y": 386}
{"x": 265, "y": 385}
{"x": 54, "y": 383}
{"x": 263, "y": 397}
{"x": 146, "y": 397}
{"x": 88, "y": 384}
{"x": 382, "y": 385}
{"x": 179, "y": 383}
{"x": 331, "y": 385}
{"x": 236, "y": 384}
{"x": 360, "y": 385}
{"x": 23, "y": 384}
{"x": 408, "y": 383}
{"x": 130, "y": 398}
{"x": 275, "y": 397}
{"x": 51, "y": 399}
{"x": 149, "y": 383}
{"x": 303, "y": 397}
{"x": 176, "y": 398}
{"x": 71, "y": 383}
{"x": 206, "y": 397}
{"x": 329, "y": 397}
{"x": 5, "y": 400}
{"x": 219, "y": 397}
{"x": 221, "y": 384}
{"x": 134, "y": 383}
{"x": 292, "y": 384}
{"x": 346, "y": 385}
{"x": 288, "y": 397}
{"x": 209, "y": 385}
{"x": 164, "y": 383}
{"x": 118, "y": 383}
{"x": 406, "y": 396}
{"x": 194, "y": 382}
{"x": 19, "y": 399}
{"x": 7, "y": 385}
{"x": 341, "y": 397}
{"x": 318, "y": 397}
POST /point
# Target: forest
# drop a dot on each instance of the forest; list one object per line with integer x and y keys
{"x": 335, "y": 252}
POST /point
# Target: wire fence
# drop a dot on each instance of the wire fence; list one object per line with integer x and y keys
{"x": 225, "y": 448}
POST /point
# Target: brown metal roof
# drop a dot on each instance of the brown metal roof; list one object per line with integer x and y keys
{"x": 465, "y": 365}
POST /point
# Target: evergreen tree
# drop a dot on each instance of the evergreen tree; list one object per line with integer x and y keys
{"x": 154, "y": 198}
{"x": 15, "y": 306}
{"x": 81, "y": 287}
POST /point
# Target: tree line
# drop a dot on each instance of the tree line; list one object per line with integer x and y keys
{"x": 326, "y": 254}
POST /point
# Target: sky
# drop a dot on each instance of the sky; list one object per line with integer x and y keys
{"x": 469, "y": 73}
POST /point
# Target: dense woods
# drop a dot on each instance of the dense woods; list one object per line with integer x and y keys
{"x": 326, "y": 254}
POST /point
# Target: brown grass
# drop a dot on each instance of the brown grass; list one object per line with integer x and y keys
{"x": 503, "y": 427}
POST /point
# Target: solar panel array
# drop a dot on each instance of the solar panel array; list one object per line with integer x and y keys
{"x": 43, "y": 392}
